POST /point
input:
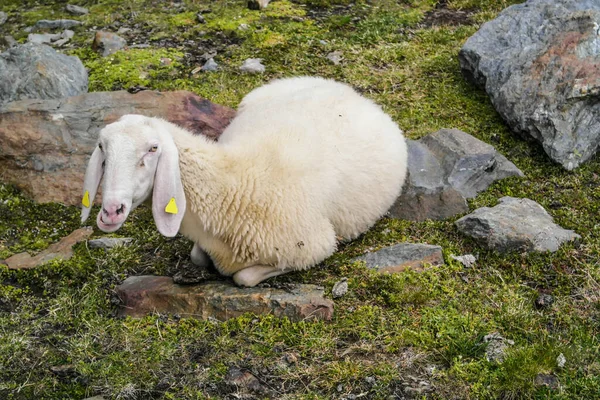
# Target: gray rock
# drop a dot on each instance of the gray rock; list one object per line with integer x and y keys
{"x": 468, "y": 260}
{"x": 9, "y": 41}
{"x": 335, "y": 57}
{"x": 36, "y": 71}
{"x": 496, "y": 347}
{"x": 444, "y": 169}
{"x": 76, "y": 10}
{"x": 561, "y": 360}
{"x": 123, "y": 30}
{"x": 469, "y": 164}
{"x": 200, "y": 18}
{"x": 210, "y": 65}
{"x": 41, "y": 38}
{"x": 340, "y": 288}
{"x": 253, "y": 65}
{"x": 548, "y": 380}
{"x": 243, "y": 27}
{"x": 141, "y": 295}
{"x": 3, "y": 17}
{"x": 515, "y": 225}
{"x": 538, "y": 62}
{"x": 402, "y": 256}
{"x": 55, "y": 24}
{"x": 108, "y": 243}
{"x": 107, "y": 43}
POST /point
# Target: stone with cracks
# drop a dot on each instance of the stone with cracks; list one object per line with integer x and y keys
{"x": 444, "y": 169}
{"x": 107, "y": 43}
{"x": 539, "y": 62}
{"x": 45, "y": 144}
{"x": 142, "y": 295}
{"x": 37, "y": 71}
{"x": 58, "y": 23}
{"x": 61, "y": 250}
{"x": 515, "y": 225}
{"x": 403, "y": 256}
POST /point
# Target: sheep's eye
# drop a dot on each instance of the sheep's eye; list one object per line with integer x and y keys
{"x": 153, "y": 149}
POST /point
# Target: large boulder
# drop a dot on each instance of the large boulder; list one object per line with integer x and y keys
{"x": 539, "y": 62}
{"x": 444, "y": 169}
{"x": 45, "y": 144}
{"x": 37, "y": 71}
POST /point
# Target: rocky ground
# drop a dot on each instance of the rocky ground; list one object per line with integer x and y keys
{"x": 498, "y": 309}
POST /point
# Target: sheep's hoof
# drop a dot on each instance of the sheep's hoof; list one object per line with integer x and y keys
{"x": 252, "y": 276}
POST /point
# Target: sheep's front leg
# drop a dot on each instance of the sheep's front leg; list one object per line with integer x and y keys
{"x": 199, "y": 257}
{"x": 254, "y": 275}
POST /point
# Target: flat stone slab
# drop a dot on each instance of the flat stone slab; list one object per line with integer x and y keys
{"x": 61, "y": 250}
{"x": 445, "y": 169}
{"x": 403, "y": 256}
{"x": 142, "y": 295}
{"x": 515, "y": 225}
{"x": 108, "y": 243}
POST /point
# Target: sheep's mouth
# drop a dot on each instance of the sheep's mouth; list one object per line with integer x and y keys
{"x": 107, "y": 227}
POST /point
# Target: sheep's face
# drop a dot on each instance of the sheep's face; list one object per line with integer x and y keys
{"x": 130, "y": 156}
{"x": 127, "y": 160}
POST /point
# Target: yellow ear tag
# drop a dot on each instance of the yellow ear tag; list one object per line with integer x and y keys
{"x": 86, "y": 199}
{"x": 171, "y": 208}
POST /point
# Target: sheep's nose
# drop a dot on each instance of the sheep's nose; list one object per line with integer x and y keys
{"x": 113, "y": 210}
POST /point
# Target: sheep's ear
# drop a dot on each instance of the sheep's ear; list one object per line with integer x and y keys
{"x": 168, "y": 198}
{"x": 93, "y": 175}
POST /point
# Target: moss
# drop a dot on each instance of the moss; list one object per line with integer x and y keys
{"x": 426, "y": 325}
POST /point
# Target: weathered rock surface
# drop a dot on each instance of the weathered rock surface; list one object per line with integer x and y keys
{"x": 221, "y": 300}
{"x": 403, "y": 256}
{"x": 3, "y": 17}
{"x": 444, "y": 169}
{"x": 107, "y": 43}
{"x": 253, "y": 66}
{"x": 45, "y": 144}
{"x": 55, "y": 24}
{"x": 36, "y": 71}
{"x": 61, "y": 250}
{"x": 340, "y": 288}
{"x": 108, "y": 243}
{"x": 58, "y": 39}
{"x": 76, "y": 10}
{"x": 539, "y": 62}
{"x": 8, "y": 41}
{"x": 515, "y": 225}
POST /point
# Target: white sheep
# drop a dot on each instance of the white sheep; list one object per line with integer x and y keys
{"x": 305, "y": 159}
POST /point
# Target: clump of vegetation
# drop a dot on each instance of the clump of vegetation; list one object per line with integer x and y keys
{"x": 392, "y": 336}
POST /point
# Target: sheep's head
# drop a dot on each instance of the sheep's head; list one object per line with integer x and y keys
{"x": 135, "y": 157}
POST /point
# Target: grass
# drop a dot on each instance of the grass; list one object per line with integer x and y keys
{"x": 414, "y": 335}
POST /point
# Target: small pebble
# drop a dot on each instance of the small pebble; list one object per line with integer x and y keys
{"x": 76, "y": 10}
{"x": 252, "y": 65}
{"x": 561, "y": 360}
{"x": 468, "y": 260}
{"x": 335, "y": 57}
{"x": 210, "y": 65}
{"x": 243, "y": 27}
{"x": 200, "y": 18}
{"x": 340, "y": 288}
